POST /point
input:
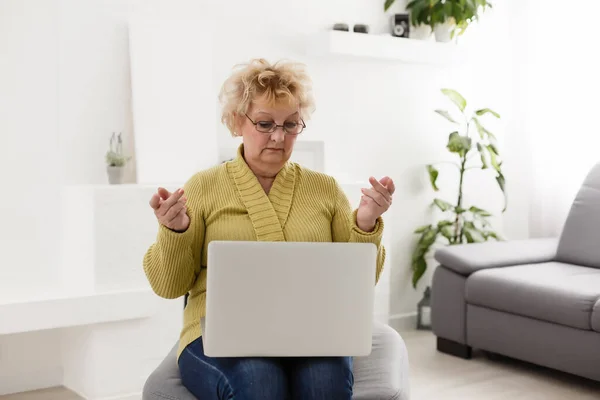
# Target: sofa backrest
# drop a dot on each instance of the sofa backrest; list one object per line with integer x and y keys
{"x": 580, "y": 239}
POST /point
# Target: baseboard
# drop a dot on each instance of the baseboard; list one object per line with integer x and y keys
{"x": 404, "y": 322}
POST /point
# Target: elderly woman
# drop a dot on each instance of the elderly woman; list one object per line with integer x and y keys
{"x": 260, "y": 195}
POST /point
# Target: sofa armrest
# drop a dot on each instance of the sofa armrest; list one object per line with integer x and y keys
{"x": 468, "y": 258}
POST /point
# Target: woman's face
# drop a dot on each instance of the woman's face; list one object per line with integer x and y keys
{"x": 268, "y": 150}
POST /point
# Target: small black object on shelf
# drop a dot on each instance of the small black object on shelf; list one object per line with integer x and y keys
{"x": 341, "y": 27}
{"x": 361, "y": 28}
{"x": 400, "y": 25}
{"x": 424, "y": 311}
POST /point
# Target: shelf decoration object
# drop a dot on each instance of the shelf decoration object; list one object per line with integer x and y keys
{"x": 341, "y": 27}
{"x": 424, "y": 311}
{"x": 361, "y": 28}
{"x": 400, "y": 25}
{"x": 115, "y": 160}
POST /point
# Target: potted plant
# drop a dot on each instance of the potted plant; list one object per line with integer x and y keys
{"x": 475, "y": 148}
{"x": 115, "y": 160}
{"x": 420, "y": 17}
{"x": 449, "y": 17}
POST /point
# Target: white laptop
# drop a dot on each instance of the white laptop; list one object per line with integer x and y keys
{"x": 289, "y": 299}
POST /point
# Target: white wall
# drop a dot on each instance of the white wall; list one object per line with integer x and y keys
{"x": 30, "y": 159}
{"x": 68, "y": 87}
{"x": 561, "y": 89}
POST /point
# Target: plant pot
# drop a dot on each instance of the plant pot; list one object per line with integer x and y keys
{"x": 115, "y": 175}
{"x": 420, "y": 32}
{"x": 443, "y": 32}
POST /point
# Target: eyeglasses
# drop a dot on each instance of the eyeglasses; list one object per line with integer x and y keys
{"x": 289, "y": 127}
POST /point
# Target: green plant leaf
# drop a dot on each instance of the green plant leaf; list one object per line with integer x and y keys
{"x": 433, "y": 175}
{"x": 420, "y": 12}
{"x": 443, "y": 205}
{"x": 422, "y": 229}
{"x": 472, "y": 233}
{"x": 444, "y": 222}
{"x": 482, "y": 155}
{"x": 446, "y": 115}
{"x": 453, "y": 95}
{"x": 428, "y": 238}
{"x": 469, "y": 237}
{"x": 446, "y": 229}
{"x": 484, "y": 111}
{"x": 502, "y": 184}
{"x": 494, "y": 157}
{"x": 469, "y": 225}
{"x": 491, "y": 234}
{"x": 419, "y": 267}
{"x": 448, "y": 233}
{"x": 420, "y": 249}
{"x": 459, "y": 144}
{"x": 418, "y": 264}
{"x": 459, "y": 210}
{"x": 479, "y": 211}
{"x": 480, "y": 128}
{"x": 388, "y": 4}
{"x": 483, "y": 133}
{"x": 494, "y": 148}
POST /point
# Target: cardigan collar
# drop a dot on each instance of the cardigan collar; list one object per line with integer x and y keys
{"x": 268, "y": 213}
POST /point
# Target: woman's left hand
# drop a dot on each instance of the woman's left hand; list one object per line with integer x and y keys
{"x": 374, "y": 202}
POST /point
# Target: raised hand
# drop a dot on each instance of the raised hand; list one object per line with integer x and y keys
{"x": 374, "y": 202}
{"x": 170, "y": 209}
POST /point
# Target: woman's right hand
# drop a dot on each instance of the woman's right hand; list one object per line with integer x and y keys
{"x": 170, "y": 209}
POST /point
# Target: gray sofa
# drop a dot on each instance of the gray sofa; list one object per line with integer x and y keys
{"x": 536, "y": 300}
{"x": 383, "y": 375}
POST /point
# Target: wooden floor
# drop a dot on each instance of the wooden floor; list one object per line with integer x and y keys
{"x": 47, "y": 394}
{"x": 436, "y": 376}
{"x": 442, "y": 377}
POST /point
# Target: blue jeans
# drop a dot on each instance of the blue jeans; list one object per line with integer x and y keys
{"x": 326, "y": 378}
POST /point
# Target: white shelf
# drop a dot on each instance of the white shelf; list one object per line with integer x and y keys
{"x": 384, "y": 47}
{"x": 50, "y": 312}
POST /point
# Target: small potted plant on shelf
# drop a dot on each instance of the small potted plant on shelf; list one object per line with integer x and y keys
{"x": 420, "y": 19}
{"x": 115, "y": 160}
{"x": 450, "y": 18}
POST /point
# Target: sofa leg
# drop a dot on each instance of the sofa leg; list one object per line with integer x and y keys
{"x": 454, "y": 348}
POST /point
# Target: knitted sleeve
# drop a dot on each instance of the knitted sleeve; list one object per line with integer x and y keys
{"x": 345, "y": 229}
{"x": 172, "y": 262}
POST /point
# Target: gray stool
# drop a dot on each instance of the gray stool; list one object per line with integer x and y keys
{"x": 383, "y": 375}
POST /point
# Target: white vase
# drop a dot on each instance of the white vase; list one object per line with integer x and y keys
{"x": 443, "y": 32}
{"x": 420, "y": 32}
{"x": 115, "y": 175}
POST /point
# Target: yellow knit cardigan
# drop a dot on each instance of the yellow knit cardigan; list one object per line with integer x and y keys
{"x": 227, "y": 202}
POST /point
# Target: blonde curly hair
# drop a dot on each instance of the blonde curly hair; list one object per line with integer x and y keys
{"x": 284, "y": 82}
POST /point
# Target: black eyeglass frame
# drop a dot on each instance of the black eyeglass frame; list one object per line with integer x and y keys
{"x": 277, "y": 126}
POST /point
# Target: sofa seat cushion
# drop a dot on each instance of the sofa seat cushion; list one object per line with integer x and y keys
{"x": 554, "y": 292}
{"x": 596, "y": 317}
